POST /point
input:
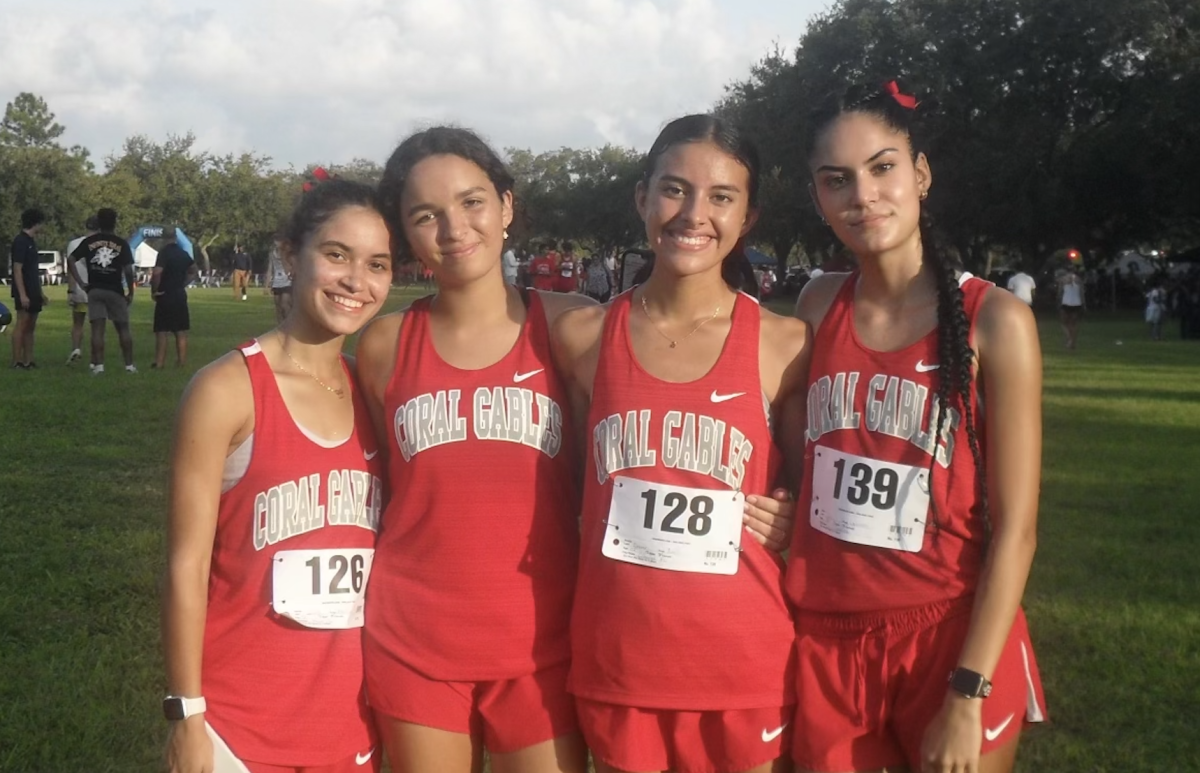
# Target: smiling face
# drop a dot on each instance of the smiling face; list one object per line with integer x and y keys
{"x": 696, "y": 205}
{"x": 343, "y": 271}
{"x": 453, "y": 218}
{"x": 867, "y": 185}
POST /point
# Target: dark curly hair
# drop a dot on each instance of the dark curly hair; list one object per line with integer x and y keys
{"x": 893, "y": 105}
{"x": 736, "y": 268}
{"x": 436, "y": 141}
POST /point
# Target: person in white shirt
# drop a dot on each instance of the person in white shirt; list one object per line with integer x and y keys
{"x": 77, "y": 295}
{"x": 1071, "y": 304}
{"x": 280, "y": 282}
{"x": 509, "y": 265}
{"x": 1022, "y": 285}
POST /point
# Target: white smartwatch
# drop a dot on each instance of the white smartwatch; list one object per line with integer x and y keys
{"x": 176, "y": 707}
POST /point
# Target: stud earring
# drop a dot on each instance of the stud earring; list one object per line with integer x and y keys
{"x": 505, "y": 234}
{"x": 924, "y": 195}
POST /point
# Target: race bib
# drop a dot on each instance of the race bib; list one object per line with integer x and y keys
{"x": 869, "y": 502}
{"x": 321, "y": 588}
{"x": 673, "y": 527}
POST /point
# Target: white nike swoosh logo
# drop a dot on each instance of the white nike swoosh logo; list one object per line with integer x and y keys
{"x": 363, "y": 759}
{"x": 993, "y": 733}
{"x": 519, "y": 377}
{"x": 716, "y": 398}
{"x": 371, "y": 455}
{"x": 771, "y": 735}
{"x": 923, "y": 368}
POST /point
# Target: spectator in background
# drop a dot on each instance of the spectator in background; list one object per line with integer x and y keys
{"x": 1071, "y": 304}
{"x": 173, "y": 272}
{"x": 509, "y": 265}
{"x": 544, "y": 268}
{"x": 568, "y": 270}
{"x": 1156, "y": 309}
{"x": 108, "y": 261}
{"x": 1022, "y": 285}
{"x": 281, "y": 283}
{"x": 241, "y": 272}
{"x": 77, "y": 294}
{"x": 26, "y": 287}
{"x": 597, "y": 282}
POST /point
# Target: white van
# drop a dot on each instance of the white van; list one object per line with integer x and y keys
{"x": 50, "y": 263}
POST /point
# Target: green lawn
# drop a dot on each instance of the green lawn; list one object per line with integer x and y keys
{"x": 1113, "y": 601}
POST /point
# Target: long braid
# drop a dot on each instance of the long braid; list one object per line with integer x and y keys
{"x": 956, "y": 359}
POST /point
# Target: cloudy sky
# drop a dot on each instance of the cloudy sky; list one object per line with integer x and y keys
{"x": 328, "y": 80}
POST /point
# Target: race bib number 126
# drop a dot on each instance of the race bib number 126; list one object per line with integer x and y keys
{"x": 321, "y": 588}
{"x": 869, "y": 502}
{"x": 674, "y": 527}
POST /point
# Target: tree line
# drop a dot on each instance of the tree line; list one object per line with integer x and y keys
{"x": 1059, "y": 125}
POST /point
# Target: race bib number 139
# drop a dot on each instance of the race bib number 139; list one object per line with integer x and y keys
{"x": 321, "y": 588}
{"x": 869, "y": 502}
{"x": 674, "y": 527}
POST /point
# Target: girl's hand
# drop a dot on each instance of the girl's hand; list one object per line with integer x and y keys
{"x": 770, "y": 520}
{"x": 189, "y": 749}
{"x": 954, "y": 737}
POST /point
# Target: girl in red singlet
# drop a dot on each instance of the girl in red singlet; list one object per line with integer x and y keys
{"x": 275, "y": 500}
{"x": 682, "y": 642}
{"x": 917, "y": 516}
{"x": 466, "y": 643}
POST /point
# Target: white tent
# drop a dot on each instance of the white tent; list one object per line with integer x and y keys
{"x": 145, "y": 256}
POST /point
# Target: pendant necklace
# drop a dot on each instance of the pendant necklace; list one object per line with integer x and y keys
{"x": 675, "y": 342}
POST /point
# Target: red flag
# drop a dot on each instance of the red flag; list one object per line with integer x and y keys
{"x": 320, "y": 173}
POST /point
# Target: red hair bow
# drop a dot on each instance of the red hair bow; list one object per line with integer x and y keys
{"x": 904, "y": 100}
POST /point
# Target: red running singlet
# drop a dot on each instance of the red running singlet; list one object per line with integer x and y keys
{"x": 280, "y": 692}
{"x": 865, "y": 536}
{"x": 665, "y": 460}
{"x": 477, "y": 558}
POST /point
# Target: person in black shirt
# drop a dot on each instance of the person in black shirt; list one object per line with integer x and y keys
{"x": 109, "y": 272}
{"x": 173, "y": 272}
{"x": 26, "y": 287}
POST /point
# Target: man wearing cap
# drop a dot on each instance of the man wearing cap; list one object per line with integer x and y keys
{"x": 77, "y": 295}
{"x": 173, "y": 272}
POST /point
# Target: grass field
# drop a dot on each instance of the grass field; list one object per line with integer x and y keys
{"x": 1114, "y": 600}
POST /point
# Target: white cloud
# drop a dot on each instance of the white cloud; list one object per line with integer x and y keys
{"x": 327, "y": 80}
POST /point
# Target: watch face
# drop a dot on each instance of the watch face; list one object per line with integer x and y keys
{"x": 173, "y": 708}
{"x": 968, "y": 683}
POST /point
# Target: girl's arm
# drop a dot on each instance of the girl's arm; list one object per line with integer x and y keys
{"x": 215, "y": 415}
{"x": 1011, "y": 372}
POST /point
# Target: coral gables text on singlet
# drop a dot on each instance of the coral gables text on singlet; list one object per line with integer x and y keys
{"x": 284, "y": 686}
{"x": 476, "y": 565}
{"x": 865, "y": 538}
{"x": 655, "y": 625}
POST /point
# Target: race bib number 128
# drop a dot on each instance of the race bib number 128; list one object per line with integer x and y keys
{"x": 869, "y": 502}
{"x": 321, "y": 588}
{"x": 674, "y": 527}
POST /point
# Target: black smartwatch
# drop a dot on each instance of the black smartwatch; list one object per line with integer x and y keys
{"x": 176, "y": 707}
{"x": 969, "y": 684}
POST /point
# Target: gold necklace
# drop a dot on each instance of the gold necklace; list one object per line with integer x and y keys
{"x": 340, "y": 392}
{"x": 672, "y": 341}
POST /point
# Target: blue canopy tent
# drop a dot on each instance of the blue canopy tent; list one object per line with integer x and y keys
{"x": 760, "y": 259}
